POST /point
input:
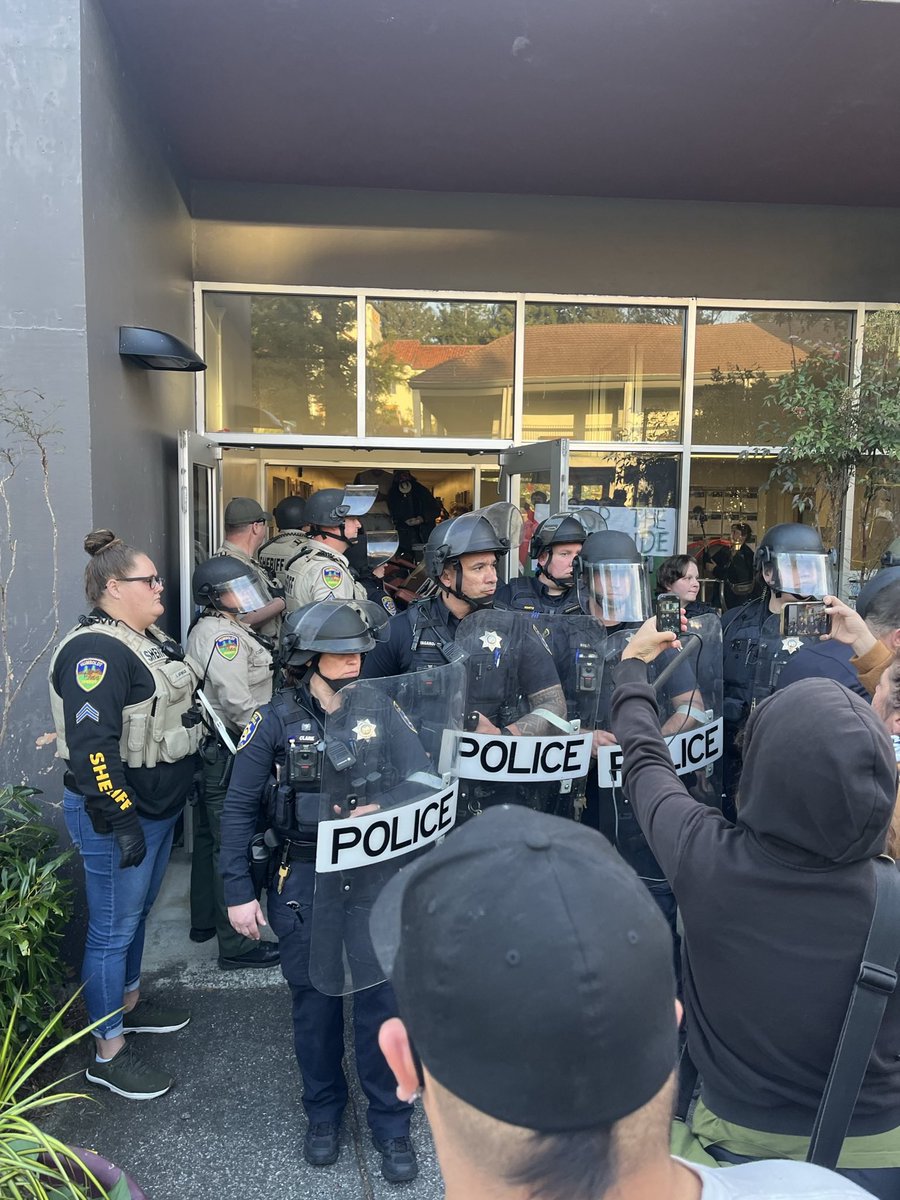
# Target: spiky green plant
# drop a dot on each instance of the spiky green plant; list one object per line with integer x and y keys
{"x": 34, "y": 1165}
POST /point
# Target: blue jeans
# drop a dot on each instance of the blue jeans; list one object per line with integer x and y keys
{"x": 119, "y": 900}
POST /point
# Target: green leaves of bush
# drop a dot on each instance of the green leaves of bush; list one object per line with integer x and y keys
{"x": 35, "y": 905}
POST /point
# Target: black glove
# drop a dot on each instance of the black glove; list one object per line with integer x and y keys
{"x": 132, "y": 847}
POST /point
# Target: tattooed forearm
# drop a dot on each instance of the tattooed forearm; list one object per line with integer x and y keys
{"x": 553, "y": 700}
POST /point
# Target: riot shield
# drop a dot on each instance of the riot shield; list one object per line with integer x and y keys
{"x": 383, "y": 799}
{"x": 688, "y": 685}
{"x": 540, "y": 685}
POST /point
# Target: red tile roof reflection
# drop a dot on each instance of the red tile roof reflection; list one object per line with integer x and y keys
{"x": 420, "y": 356}
{"x": 579, "y": 351}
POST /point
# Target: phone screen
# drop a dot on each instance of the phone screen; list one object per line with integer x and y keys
{"x": 668, "y": 613}
{"x": 805, "y": 618}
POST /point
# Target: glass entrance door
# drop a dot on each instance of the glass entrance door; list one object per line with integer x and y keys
{"x": 199, "y": 491}
{"x": 534, "y": 477}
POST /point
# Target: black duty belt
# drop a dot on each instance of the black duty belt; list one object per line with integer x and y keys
{"x": 304, "y": 851}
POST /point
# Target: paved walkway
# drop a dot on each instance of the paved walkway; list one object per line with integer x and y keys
{"x": 233, "y": 1124}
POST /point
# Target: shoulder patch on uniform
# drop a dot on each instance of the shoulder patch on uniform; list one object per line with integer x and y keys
{"x": 89, "y": 673}
{"x": 249, "y": 729}
{"x": 389, "y": 606}
{"x": 403, "y": 717}
{"x": 228, "y": 645}
{"x": 332, "y": 576}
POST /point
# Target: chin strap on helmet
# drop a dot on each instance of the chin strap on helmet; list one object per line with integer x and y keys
{"x": 341, "y": 536}
{"x": 560, "y": 583}
{"x": 484, "y": 602}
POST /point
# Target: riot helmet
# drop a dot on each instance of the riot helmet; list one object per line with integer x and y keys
{"x": 612, "y": 579}
{"x": 891, "y": 556}
{"x": 290, "y": 513}
{"x": 331, "y": 627}
{"x": 487, "y": 530}
{"x": 793, "y": 557}
{"x": 227, "y": 585}
{"x": 329, "y": 508}
{"x": 563, "y": 528}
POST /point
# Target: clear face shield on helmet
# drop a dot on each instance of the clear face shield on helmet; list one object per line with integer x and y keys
{"x": 358, "y": 498}
{"x": 589, "y": 519}
{"x": 381, "y": 546}
{"x": 800, "y": 574}
{"x": 617, "y": 591}
{"x": 506, "y": 521}
{"x": 241, "y": 595}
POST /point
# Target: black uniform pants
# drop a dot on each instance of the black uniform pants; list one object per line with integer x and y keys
{"x": 319, "y": 1021}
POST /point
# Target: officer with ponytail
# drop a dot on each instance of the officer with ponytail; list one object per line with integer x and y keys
{"x": 121, "y": 695}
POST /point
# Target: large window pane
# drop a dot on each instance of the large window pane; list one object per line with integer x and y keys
{"x": 439, "y": 368}
{"x": 281, "y": 364}
{"x": 635, "y": 492}
{"x": 876, "y": 499}
{"x": 603, "y": 373}
{"x": 740, "y": 356}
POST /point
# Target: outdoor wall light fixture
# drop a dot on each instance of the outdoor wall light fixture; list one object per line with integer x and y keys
{"x": 157, "y": 351}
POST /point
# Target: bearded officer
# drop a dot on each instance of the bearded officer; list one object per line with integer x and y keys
{"x": 321, "y": 570}
{"x": 321, "y": 649}
{"x": 794, "y": 566}
{"x": 236, "y": 664}
{"x": 276, "y": 555}
{"x": 246, "y": 526}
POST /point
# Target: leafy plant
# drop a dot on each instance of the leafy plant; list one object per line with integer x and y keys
{"x": 836, "y": 430}
{"x": 34, "y": 910}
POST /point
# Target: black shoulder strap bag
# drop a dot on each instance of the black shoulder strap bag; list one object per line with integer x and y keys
{"x": 875, "y": 983}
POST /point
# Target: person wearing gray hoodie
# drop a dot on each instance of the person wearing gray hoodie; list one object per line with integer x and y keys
{"x": 776, "y": 910}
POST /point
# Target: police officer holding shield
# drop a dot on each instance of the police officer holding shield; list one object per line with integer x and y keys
{"x": 236, "y": 664}
{"x": 793, "y": 566}
{"x": 321, "y": 571}
{"x": 461, "y": 560}
{"x": 278, "y": 771}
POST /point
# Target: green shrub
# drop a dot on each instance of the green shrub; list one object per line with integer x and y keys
{"x": 35, "y": 906}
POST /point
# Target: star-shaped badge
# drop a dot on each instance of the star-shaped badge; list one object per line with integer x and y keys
{"x": 365, "y": 730}
{"x": 491, "y": 640}
{"x": 791, "y": 644}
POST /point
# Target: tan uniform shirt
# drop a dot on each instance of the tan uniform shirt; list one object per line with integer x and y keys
{"x": 238, "y": 669}
{"x": 323, "y": 574}
{"x": 272, "y": 627}
{"x": 275, "y": 555}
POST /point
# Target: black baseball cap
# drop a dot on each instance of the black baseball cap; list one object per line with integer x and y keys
{"x": 533, "y": 971}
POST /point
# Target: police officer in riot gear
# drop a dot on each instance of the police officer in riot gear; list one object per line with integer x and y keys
{"x": 246, "y": 526}
{"x": 612, "y": 582}
{"x": 793, "y": 565}
{"x": 279, "y": 551}
{"x": 236, "y": 664}
{"x": 320, "y": 571}
{"x": 369, "y": 558}
{"x": 554, "y": 546}
{"x": 461, "y": 560}
{"x": 121, "y": 698}
{"x": 278, "y": 772}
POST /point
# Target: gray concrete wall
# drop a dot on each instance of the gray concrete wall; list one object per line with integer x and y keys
{"x": 43, "y": 361}
{"x": 137, "y": 248}
{"x": 335, "y": 237}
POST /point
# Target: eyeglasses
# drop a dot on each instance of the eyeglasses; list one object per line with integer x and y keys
{"x": 154, "y": 581}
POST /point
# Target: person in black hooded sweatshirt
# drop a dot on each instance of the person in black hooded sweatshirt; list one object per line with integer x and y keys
{"x": 776, "y": 910}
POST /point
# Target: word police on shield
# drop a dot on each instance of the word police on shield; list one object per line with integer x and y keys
{"x": 363, "y": 841}
{"x": 690, "y": 751}
{"x": 521, "y": 758}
